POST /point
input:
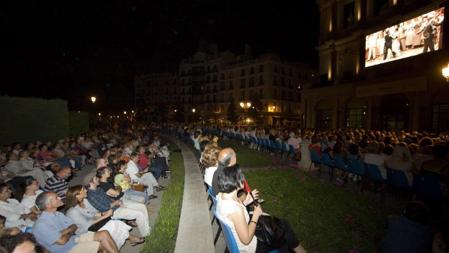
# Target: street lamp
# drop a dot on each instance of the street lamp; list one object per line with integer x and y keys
{"x": 93, "y": 99}
{"x": 193, "y": 110}
{"x": 445, "y": 72}
{"x": 124, "y": 112}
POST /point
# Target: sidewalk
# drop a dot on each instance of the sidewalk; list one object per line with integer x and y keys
{"x": 194, "y": 231}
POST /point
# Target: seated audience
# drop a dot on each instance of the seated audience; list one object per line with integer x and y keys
{"x": 234, "y": 214}
{"x": 85, "y": 216}
{"x": 127, "y": 210}
{"x": 16, "y": 214}
{"x": 122, "y": 180}
{"x": 143, "y": 177}
{"x": 57, "y": 232}
{"x": 20, "y": 243}
{"x": 401, "y": 159}
{"x": 58, "y": 183}
{"x": 210, "y": 161}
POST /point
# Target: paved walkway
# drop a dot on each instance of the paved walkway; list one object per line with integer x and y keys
{"x": 194, "y": 231}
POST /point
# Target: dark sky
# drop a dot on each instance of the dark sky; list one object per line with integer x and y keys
{"x": 71, "y": 49}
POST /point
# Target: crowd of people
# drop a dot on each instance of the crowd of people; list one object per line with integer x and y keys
{"x": 413, "y": 153}
{"x": 40, "y": 212}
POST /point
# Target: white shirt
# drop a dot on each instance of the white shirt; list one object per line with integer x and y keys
{"x": 30, "y": 201}
{"x": 132, "y": 170}
{"x": 227, "y": 207}
{"x": 209, "y": 174}
{"x": 12, "y": 210}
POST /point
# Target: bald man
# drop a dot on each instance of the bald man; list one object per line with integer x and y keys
{"x": 226, "y": 158}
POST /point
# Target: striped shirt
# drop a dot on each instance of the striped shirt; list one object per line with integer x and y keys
{"x": 57, "y": 185}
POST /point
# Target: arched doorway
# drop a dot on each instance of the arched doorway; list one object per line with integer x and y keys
{"x": 394, "y": 112}
{"x": 355, "y": 113}
{"x": 323, "y": 112}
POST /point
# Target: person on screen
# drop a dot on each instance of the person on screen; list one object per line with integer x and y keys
{"x": 388, "y": 44}
{"x": 371, "y": 46}
{"x": 428, "y": 35}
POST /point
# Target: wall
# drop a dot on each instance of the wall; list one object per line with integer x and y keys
{"x": 30, "y": 119}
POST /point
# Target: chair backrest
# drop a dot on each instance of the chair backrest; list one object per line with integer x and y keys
{"x": 212, "y": 196}
{"x": 356, "y": 166}
{"x": 397, "y": 179}
{"x": 314, "y": 156}
{"x": 372, "y": 171}
{"x": 340, "y": 162}
{"x": 231, "y": 243}
{"x": 427, "y": 185}
{"x": 327, "y": 160}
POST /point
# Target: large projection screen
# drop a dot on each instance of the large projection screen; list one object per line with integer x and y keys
{"x": 412, "y": 37}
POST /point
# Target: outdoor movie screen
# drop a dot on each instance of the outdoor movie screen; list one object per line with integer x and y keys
{"x": 415, "y": 36}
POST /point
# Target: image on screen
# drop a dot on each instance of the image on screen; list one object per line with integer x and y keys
{"x": 412, "y": 37}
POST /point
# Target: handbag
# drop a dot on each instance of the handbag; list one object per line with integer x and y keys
{"x": 138, "y": 187}
{"x": 269, "y": 230}
{"x": 95, "y": 227}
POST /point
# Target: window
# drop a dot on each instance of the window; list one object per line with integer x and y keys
{"x": 251, "y": 70}
{"x": 260, "y": 68}
{"x": 348, "y": 14}
{"x": 251, "y": 82}
{"x": 242, "y": 83}
{"x": 275, "y": 94}
{"x": 355, "y": 117}
{"x": 242, "y": 72}
{"x": 260, "y": 80}
{"x": 440, "y": 119}
{"x": 222, "y": 85}
{"x": 230, "y": 74}
{"x": 242, "y": 95}
{"x": 231, "y": 85}
{"x": 323, "y": 118}
{"x": 290, "y": 83}
{"x": 275, "y": 68}
{"x": 215, "y": 78}
{"x": 260, "y": 93}
{"x": 207, "y": 79}
{"x": 282, "y": 82}
{"x": 222, "y": 76}
{"x": 275, "y": 80}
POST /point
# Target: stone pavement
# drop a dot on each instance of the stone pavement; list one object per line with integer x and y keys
{"x": 194, "y": 231}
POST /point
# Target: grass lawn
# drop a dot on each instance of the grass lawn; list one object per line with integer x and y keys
{"x": 325, "y": 218}
{"x": 164, "y": 232}
{"x": 248, "y": 158}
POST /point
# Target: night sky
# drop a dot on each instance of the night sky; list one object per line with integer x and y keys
{"x": 69, "y": 50}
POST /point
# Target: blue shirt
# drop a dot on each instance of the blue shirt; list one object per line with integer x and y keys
{"x": 47, "y": 230}
{"x": 99, "y": 199}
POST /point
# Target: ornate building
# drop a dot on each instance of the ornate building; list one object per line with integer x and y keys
{"x": 264, "y": 89}
{"x": 364, "y": 84}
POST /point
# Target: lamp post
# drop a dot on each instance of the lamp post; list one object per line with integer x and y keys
{"x": 245, "y": 105}
{"x": 445, "y": 72}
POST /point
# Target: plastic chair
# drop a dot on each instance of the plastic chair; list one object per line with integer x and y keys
{"x": 427, "y": 186}
{"x": 340, "y": 163}
{"x": 231, "y": 243}
{"x": 397, "y": 179}
{"x": 328, "y": 162}
{"x": 372, "y": 172}
{"x": 356, "y": 166}
{"x": 314, "y": 157}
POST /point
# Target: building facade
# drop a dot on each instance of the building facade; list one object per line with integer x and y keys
{"x": 376, "y": 86}
{"x": 262, "y": 89}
